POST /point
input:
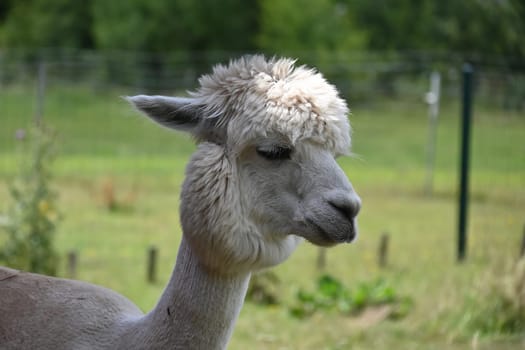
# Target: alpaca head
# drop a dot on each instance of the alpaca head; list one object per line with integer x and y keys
{"x": 264, "y": 174}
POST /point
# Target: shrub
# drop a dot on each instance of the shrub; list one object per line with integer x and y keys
{"x": 32, "y": 216}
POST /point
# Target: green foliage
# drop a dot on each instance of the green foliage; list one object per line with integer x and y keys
{"x": 167, "y": 25}
{"x": 294, "y": 27}
{"x": 331, "y": 294}
{"x": 318, "y": 27}
{"x": 158, "y": 35}
{"x": 460, "y": 26}
{"x": 138, "y": 31}
{"x": 47, "y": 23}
{"x": 32, "y": 218}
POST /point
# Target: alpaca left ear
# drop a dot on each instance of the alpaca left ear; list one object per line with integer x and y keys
{"x": 172, "y": 112}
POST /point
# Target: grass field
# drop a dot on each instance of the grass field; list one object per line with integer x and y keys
{"x": 104, "y": 144}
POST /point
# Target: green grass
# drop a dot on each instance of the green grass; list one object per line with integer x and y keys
{"x": 102, "y": 140}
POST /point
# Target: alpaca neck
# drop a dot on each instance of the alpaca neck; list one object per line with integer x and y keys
{"x": 197, "y": 310}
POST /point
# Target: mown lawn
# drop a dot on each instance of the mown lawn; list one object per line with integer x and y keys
{"x": 104, "y": 144}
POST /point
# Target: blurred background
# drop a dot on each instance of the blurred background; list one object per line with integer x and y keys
{"x": 89, "y": 189}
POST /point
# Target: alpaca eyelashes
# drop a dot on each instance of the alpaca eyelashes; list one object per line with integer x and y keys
{"x": 275, "y": 153}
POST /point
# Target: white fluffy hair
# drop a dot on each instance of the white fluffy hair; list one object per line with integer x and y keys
{"x": 257, "y": 96}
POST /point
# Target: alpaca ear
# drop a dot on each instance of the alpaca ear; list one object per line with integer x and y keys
{"x": 172, "y": 112}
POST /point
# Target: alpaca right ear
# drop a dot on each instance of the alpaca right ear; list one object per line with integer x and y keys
{"x": 172, "y": 112}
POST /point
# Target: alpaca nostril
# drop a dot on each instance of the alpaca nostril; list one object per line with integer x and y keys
{"x": 348, "y": 207}
{"x": 345, "y": 211}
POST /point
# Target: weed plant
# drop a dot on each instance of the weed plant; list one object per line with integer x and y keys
{"x": 32, "y": 218}
{"x": 331, "y": 294}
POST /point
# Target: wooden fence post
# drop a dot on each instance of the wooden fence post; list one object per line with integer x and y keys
{"x": 152, "y": 264}
{"x": 432, "y": 99}
{"x": 40, "y": 93}
{"x": 321, "y": 258}
{"x": 522, "y": 250}
{"x": 383, "y": 250}
{"x": 72, "y": 264}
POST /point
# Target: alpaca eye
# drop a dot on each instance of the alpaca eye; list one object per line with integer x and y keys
{"x": 274, "y": 153}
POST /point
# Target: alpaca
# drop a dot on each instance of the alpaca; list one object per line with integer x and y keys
{"x": 262, "y": 179}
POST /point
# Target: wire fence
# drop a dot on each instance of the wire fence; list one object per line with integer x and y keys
{"x": 361, "y": 76}
{"x": 34, "y": 86}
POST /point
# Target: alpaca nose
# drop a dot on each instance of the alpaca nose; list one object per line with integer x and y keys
{"x": 347, "y": 205}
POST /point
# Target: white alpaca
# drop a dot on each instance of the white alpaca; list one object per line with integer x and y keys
{"x": 263, "y": 177}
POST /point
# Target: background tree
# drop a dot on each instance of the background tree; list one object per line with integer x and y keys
{"x": 170, "y": 30}
{"x": 463, "y": 27}
{"x": 46, "y": 24}
{"x": 490, "y": 27}
{"x": 303, "y": 26}
{"x": 167, "y": 25}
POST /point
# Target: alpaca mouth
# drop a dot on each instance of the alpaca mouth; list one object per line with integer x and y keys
{"x": 352, "y": 235}
{"x": 327, "y": 239}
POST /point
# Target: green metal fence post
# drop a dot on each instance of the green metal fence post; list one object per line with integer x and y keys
{"x": 464, "y": 162}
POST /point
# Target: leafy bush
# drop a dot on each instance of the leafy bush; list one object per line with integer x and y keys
{"x": 331, "y": 294}
{"x": 32, "y": 217}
